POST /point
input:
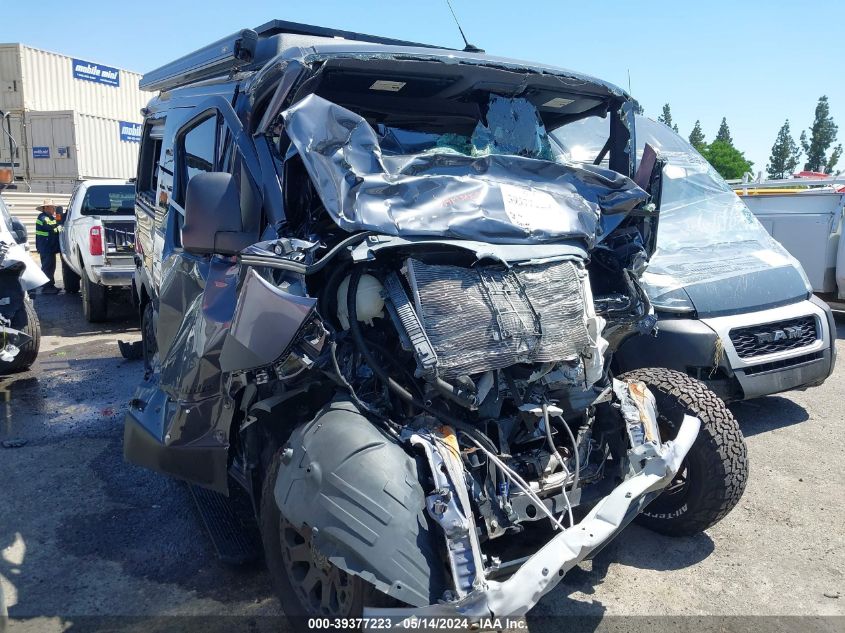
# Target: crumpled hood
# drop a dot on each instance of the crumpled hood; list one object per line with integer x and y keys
{"x": 499, "y": 199}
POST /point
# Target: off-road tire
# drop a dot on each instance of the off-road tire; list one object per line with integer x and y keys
{"x": 28, "y": 352}
{"x": 716, "y": 466}
{"x": 69, "y": 278}
{"x": 271, "y": 525}
{"x": 94, "y": 300}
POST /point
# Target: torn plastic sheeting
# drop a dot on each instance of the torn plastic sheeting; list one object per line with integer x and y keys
{"x": 493, "y": 198}
{"x": 707, "y": 233}
{"x": 545, "y": 569}
{"x": 639, "y": 410}
{"x": 671, "y": 270}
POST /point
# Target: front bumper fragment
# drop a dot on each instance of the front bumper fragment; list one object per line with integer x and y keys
{"x": 544, "y": 570}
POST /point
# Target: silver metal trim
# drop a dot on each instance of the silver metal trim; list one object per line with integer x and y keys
{"x": 542, "y": 571}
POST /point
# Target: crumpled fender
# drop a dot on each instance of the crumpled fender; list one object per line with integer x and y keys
{"x": 360, "y": 492}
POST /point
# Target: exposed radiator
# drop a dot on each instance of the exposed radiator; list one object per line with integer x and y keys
{"x": 492, "y": 317}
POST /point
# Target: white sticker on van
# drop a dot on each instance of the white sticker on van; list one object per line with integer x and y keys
{"x": 531, "y": 209}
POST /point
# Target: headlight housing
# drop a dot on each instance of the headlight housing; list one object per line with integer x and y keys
{"x": 676, "y": 301}
{"x": 665, "y": 294}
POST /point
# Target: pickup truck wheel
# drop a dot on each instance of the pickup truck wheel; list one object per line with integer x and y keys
{"x": 713, "y": 475}
{"x": 307, "y": 584}
{"x": 70, "y": 279}
{"x": 29, "y": 352}
{"x": 93, "y": 300}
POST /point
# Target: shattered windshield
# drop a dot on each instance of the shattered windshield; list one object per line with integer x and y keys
{"x": 509, "y": 127}
{"x": 482, "y": 171}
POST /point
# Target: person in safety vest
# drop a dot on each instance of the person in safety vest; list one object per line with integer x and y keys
{"x": 47, "y": 230}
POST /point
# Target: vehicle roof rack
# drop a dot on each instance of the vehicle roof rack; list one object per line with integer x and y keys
{"x": 249, "y": 49}
{"x": 280, "y": 27}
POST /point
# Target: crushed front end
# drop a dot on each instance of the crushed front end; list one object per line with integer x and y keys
{"x": 411, "y": 372}
{"x": 473, "y": 324}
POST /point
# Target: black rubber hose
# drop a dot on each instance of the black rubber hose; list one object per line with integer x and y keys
{"x": 304, "y": 269}
{"x": 399, "y": 390}
{"x": 384, "y": 423}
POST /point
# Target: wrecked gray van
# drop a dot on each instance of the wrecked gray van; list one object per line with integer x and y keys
{"x": 375, "y": 296}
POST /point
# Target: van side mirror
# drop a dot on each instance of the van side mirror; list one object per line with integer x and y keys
{"x": 19, "y": 231}
{"x": 213, "y": 220}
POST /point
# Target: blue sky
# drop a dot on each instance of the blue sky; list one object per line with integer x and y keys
{"x": 756, "y": 63}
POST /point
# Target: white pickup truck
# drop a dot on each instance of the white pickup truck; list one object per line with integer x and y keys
{"x": 98, "y": 242}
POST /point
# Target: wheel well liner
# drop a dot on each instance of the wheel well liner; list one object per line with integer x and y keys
{"x": 360, "y": 493}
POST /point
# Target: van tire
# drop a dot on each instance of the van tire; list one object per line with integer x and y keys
{"x": 32, "y": 328}
{"x": 713, "y": 475}
{"x": 274, "y": 527}
{"x": 71, "y": 279}
{"x": 93, "y": 300}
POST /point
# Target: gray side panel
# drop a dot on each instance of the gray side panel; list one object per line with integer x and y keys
{"x": 178, "y": 421}
{"x": 360, "y": 492}
{"x": 265, "y": 323}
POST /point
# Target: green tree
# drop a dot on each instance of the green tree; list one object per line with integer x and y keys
{"x": 666, "y": 117}
{"x": 835, "y": 155}
{"x": 727, "y": 160}
{"x": 696, "y": 137}
{"x": 785, "y": 154}
{"x": 822, "y": 136}
{"x": 724, "y": 133}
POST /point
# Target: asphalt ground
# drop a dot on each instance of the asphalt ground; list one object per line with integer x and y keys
{"x": 86, "y": 539}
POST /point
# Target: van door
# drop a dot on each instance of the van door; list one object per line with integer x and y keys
{"x": 189, "y": 411}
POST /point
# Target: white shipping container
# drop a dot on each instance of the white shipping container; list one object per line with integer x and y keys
{"x": 65, "y": 116}
{"x": 10, "y": 153}
{"x": 102, "y": 153}
{"x": 33, "y": 79}
{"x": 67, "y": 145}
